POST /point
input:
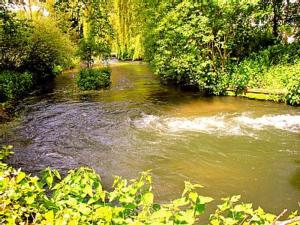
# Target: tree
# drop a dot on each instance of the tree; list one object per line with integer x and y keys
{"x": 49, "y": 48}
{"x": 14, "y": 42}
{"x": 89, "y": 19}
{"x": 35, "y": 46}
{"x": 128, "y": 26}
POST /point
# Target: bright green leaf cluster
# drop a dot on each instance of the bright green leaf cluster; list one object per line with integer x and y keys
{"x": 79, "y": 199}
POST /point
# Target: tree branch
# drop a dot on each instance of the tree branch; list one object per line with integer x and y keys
{"x": 286, "y": 222}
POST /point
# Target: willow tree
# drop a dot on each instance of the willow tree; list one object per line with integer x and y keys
{"x": 128, "y": 26}
{"x": 89, "y": 20}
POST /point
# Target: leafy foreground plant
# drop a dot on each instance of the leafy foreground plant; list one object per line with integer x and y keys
{"x": 80, "y": 199}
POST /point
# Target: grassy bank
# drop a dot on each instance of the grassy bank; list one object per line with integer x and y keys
{"x": 271, "y": 74}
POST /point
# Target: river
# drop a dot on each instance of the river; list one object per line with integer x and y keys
{"x": 229, "y": 145}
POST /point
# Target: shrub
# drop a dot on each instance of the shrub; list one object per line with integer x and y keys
{"x": 293, "y": 95}
{"x": 50, "y": 48}
{"x": 258, "y": 64}
{"x": 14, "y": 41}
{"x": 275, "y": 69}
{"x": 93, "y": 79}
{"x": 239, "y": 81}
{"x": 79, "y": 198}
{"x": 14, "y": 85}
{"x": 35, "y": 46}
{"x": 196, "y": 41}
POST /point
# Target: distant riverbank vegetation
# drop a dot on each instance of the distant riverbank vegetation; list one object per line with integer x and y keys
{"x": 32, "y": 52}
{"x": 213, "y": 46}
{"x": 38, "y": 40}
{"x": 221, "y": 45}
{"x": 79, "y": 198}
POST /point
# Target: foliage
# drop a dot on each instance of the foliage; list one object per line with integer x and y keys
{"x": 195, "y": 42}
{"x": 273, "y": 69}
{"x": 35, "y": 46}
{"x": 210, "y": 44}
{"x": 49, "y": 48}
{"x": 89, "y": 48}
{"x": 14, "y": 41}
{"x": 31, "y": 52}
{"x": 90, "y": 21}
{"x": 293, "y": 95}
{"x": 128, "y": 24}
{"x": 93, "y": 79}
{"x": 79, "y": 198}
{"x": 14, "y": 85}
{"x": 255, "y": 67}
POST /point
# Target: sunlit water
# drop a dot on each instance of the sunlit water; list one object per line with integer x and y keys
{"x": 230, "y": 145}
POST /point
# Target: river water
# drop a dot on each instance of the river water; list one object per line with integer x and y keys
{"x": 229, "y": 145}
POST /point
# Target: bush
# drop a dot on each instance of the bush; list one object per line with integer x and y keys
{"x": 275, "y": 69}
{"x": 38, "y": 50}
{"x": 259, "y": 69}
{"x": 79, "y": 198}
{"x": 35, "y": 46}
{"x": 14, "y": 41}
{"x": 197, "y": 40}
{"x": 50, "y": 48}
{"x": 93, "y": 79}
{"x": 239, "y": 81}
{"x": 293, "y": 95}
{"x": 14, "y": 85}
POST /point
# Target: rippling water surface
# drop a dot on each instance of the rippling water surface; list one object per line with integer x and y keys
{"x": 230, "y": 145}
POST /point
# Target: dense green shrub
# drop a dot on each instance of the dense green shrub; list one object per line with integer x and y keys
{"x": 79, "y": 199}
{"x": 239, "y": 81}
{"x": 14, "y": 42}
{"x": 179, "y": 56}
{"x": 93, "y": 79}
{"x": 50, "y": 48}
{"x": 36, "y": 49}
{"x": 37, "y": 46}
{"x": 14, "y": 85}
{"x": 253, "y": 70}
{"x": 273, "y": 69}
{"x": 293, "y": 95}
{"x": 196, "y": 41}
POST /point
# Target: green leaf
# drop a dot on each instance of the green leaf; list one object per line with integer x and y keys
{"x": 235, "y": 198}
{"x": 200, "y": 208}
{"x": 205, "y": 200}
{"x": 49, "y": 181}
{"x": 30, "y": 200}
{"x": 180, "y": 202}
{"x": 147, "y": 198}
{"x": 49, "y": 216}
{"x": 57, "y": 174}
{"x": 20, "y": 177}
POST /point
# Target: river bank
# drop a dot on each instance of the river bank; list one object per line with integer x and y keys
{"x": 7, "y": 109}
{"x": 260, "y": 94}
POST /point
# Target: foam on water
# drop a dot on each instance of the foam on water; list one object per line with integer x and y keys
{"x": 231, "y": 124}
{"x": 283, "y": 122}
